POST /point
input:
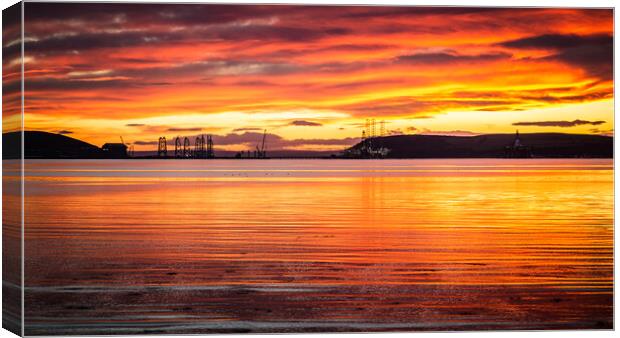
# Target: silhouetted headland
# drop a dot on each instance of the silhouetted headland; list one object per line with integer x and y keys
{"x": 39, "y": 144}
{"x": 44, "y": 145}
{"x": 541, "y": 145}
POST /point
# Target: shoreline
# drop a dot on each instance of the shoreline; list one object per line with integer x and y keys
{"x": 312, "y": 158}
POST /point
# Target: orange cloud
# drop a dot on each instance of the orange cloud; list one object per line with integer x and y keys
{"x": 100, "y": 70}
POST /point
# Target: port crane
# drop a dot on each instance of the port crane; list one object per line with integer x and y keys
{"x": 260, "y": 152}
{"x": 129, "y": 147}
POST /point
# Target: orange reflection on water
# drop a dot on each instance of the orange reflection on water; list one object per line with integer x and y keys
{"x": 450, "y": 248}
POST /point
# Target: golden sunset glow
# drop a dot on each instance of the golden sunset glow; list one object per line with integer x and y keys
{"x": 309, "y": 75}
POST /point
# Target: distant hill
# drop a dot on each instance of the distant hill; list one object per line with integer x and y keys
{"x": 39, "y": 144}
{"x": 547, "y": 145}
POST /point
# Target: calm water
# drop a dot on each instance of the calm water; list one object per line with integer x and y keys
{"x": 174, "y": 246}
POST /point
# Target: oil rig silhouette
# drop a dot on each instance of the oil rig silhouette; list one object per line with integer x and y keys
{"x": 517, "y": 149}
{"x": 203, "y": 148}
{"x": 370, "y": 146}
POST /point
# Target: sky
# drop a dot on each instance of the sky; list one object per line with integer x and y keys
{"x": 308, "y": 75}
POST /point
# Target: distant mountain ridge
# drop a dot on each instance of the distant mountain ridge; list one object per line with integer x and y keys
{"x": 547, "y": 145}
{"x": 40, "y": 144}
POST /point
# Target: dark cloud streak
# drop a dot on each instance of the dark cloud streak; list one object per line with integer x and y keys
{"x": 184, "y": 129}
{"x": 304, "y": 123}
{"x": 562, "y": 124}
{"x": 445, "y": 57}
{"x": 593, "y": 53}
